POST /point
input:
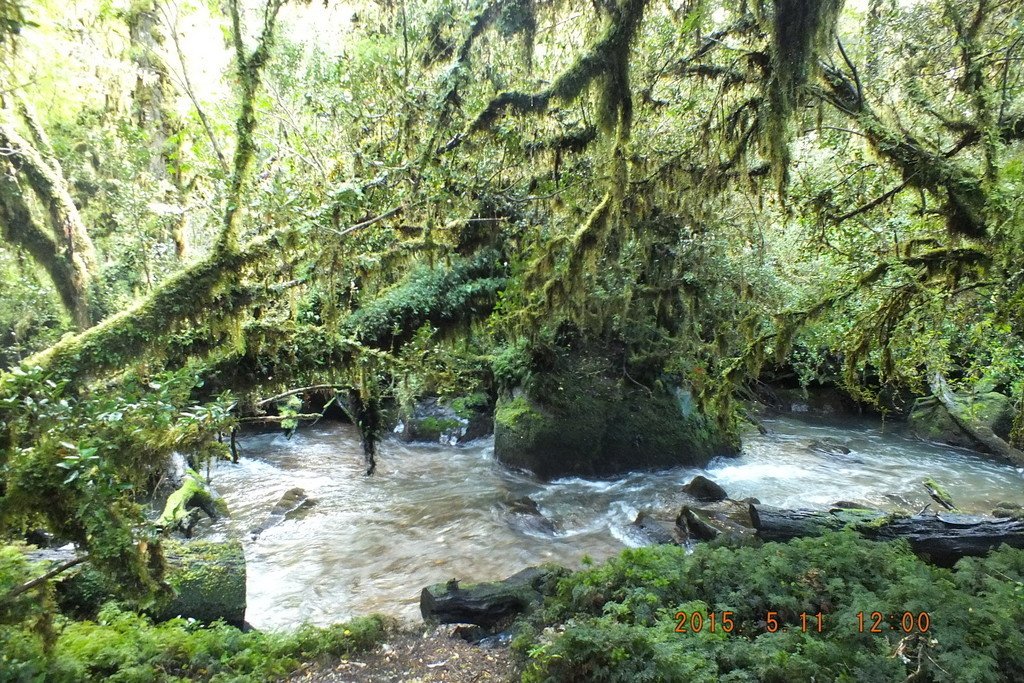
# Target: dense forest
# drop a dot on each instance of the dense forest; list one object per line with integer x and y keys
{"x": 613, "y": 228}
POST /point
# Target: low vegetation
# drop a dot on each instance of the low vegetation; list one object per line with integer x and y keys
{"x": 798, "y": 611}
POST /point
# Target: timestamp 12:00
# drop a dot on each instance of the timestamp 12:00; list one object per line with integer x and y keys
{"x": 873, "y": 622}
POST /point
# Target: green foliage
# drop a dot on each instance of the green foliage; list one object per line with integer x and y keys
{"x": 617, "y": 622}
{"x": 76, "y": 464}
{"x": 125, "y": 646}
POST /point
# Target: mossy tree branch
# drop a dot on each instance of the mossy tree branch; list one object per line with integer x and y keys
{"x": 963, "y": 191}
{"x": 604, "y": 59}
{"x": 121, "y": 339}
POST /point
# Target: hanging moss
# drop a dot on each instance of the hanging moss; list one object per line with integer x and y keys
{"x": 800, "y": 29}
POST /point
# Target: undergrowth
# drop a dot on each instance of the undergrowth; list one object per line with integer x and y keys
{"x": 38, "y": 644}
{"x": 618, "y": 621}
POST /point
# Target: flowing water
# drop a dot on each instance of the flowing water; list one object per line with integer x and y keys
{"x": 432, "y": 513}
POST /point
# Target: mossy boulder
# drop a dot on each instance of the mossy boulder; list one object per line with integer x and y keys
{"x": 208, "y": 579}
{"x": 930, "y": 420}
{"x": 583, "y": 421}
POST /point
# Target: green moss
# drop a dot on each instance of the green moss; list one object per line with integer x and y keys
{"x": 578, "y": 419}
{"x": 618, "y": 621}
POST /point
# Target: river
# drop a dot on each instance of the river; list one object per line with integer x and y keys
{"x": 432, "y": 512}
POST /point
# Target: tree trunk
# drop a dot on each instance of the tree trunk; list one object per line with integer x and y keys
{"x": 488, "y": 604}
{"x": 72, "y": 244}
{"x": 942, "y": 538}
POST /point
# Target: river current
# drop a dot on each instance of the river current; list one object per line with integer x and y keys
{"x": 432, "y": 513}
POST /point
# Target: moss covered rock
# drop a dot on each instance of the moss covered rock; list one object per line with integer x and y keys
{"x": 208, "y": 579}
{"x": 930, "y": 420}
{"x": 581, "y": 421}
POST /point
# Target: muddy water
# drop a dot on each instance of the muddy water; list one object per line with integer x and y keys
{"x": 432, "y": 513}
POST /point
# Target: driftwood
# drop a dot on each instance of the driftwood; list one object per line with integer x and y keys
{"x": 942, "y": 538}
{"x": 181, "y": 510}
{"x": 490, "y": 604}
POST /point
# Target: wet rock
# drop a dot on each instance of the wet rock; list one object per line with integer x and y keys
{"x": 828, "y": 447}
{"x": 648, "y": 531}
{"x": 930, "y": 419}
{"x": 708, "y": 522}
{"x": 1006, "y": 510}
{"x": 582, "y": 419}
{"x": 292, "y": 504}
{"x": 524, "y": 515}
{"x": 702, "y": 488}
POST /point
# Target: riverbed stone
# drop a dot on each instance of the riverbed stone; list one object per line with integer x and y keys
{"x": 583, "y": 421}
{"x": 702, "y": 488}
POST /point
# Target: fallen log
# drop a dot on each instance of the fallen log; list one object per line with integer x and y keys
{"x": 489, "y": 604}
{"x": 943, "y": 538}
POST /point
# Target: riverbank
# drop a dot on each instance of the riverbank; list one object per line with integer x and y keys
{"x": 412, "y": 654}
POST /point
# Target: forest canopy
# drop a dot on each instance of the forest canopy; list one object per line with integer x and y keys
{"x": 207, "y": 204}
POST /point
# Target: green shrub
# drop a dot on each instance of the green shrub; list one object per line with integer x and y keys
{"x": 123, "y": 646}
{"x": 617, "y": 622}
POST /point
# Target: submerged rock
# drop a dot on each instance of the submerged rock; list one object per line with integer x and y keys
{"x": 828, "y": 447}
{"x": 524, "y": 515}
{"x": 292, "y": 504}
{"x": 702, "y": 488}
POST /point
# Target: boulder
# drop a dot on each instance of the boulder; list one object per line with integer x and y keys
{"x": 930, "y": 418}
{"x": 702, "y": 488}
{"x": 583, "y": 420}
{"x": 208, "y": 579}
